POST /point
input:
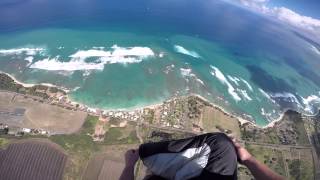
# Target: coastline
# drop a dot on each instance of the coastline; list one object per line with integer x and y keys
{"x": 151, "y": 106}
{"x": 31, "y": 85}
{"x": 18, "y": 82}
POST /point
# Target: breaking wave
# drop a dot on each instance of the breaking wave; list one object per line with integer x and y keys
{"x": 182, "y": 50}
{"x": 315, "y": 50}
{"x": 78, "y": 60}
{"x": 308, "y": 105}
{"x": 235, "y": 80}
{"x": 219, "y": 75}
{"x": 28, "y": 52}
{"x": 244, "y": 94}
{"x": 18, "y": 51}
{"x": 187, "y": 72}
{"x": 247, "y": 84}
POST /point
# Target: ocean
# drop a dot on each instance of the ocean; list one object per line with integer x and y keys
{"x": 127, "y": 54}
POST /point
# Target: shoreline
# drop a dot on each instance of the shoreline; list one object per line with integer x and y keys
{"x": 155, "y": 105}
{"x": 31, "y": 85}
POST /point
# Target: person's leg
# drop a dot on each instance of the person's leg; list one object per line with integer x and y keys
{"x": 222, "y": 162}
{"x": 206, "y": 155}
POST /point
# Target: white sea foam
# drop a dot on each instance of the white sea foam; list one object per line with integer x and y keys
{"x": 86, "y": 73}
{"x": 248, "y": 85}
{"x": 269, "y": 115}
{"x": 76, "y": 88}
{"x": 314, "y": 49}
{"x": 77, "y": 61}
{"x": 18, "y": 51}
{"x": 161, "y": 54}
{"x": 200, "y": 81}
{"x": 29, "y": 59}
{"x": 309, "y": 103}
{"x": 183, "y": 50}
{"x": 98, "y": 47}
{"x": 187, "y": 72}
{"x": 235, "y": 80}
{"x": 55, "y": 64}
{"x": 245, "y": 94}
{"x": 219, "y": 75}
{"x": 265, "y": 94}
{"x": 289, "y": 97}
{"x": 117, "y": 52}
{"x": 169, "y": 68}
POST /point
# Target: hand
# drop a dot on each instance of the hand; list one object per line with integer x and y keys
{"x": 243, "y": 154}
{"x": 131, "y": 157}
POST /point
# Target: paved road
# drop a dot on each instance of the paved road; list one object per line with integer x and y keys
{"x": 279, "y": 146}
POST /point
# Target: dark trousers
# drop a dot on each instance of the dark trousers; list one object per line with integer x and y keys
{"x": 208, "y": 156}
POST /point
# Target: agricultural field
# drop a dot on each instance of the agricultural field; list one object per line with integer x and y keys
{"x": 43, "y": 159}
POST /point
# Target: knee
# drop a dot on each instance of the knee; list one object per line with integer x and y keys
{"x": 220, "y": 138}
{"x": 221, "y": 141}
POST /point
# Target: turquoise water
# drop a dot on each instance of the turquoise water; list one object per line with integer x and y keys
{"x": 142, "y": 59}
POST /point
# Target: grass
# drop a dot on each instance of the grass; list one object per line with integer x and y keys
{"x": 272, "y": 137}
{"x": 213, "y": 118}
{"x": 150, "y": 116}
{"x": 75, "y": 143}
{"x": 301, "y": 170}
{"x": 89, "y": 124}
{"x": 121, "y": 136}
{"x": 271, "y": 157}
{"x": 79, "y": 147}
{"x": 301, "y": 131}
{"x": 3, "y": 142}
{"x": 261, "y": 136}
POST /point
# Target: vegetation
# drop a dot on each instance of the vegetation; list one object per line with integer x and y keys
{"x": 290, "y": 130}
{"x": 3, "y": 142}
{"x": 79, "y": 147}
{"x": 155, "y": 135}
{"x": 271, "y": 157}
{"x": 55, "y": 90}
{"x": 185, "y": 113}
{"x": 7, "y": 83}
{"x": 193, "y": 107}
{"x": 89, "y": 124}
{"x": 149, "y": 117}
{"x": 118, "y": 135}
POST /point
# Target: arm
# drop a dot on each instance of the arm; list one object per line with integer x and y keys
{"x": 258, "y": 170}
{"x": 131, "y": 157}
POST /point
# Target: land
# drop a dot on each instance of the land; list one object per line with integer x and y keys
{"x": 44, "y": 159}
{"x": 95, "y": 141}
{"x": 17, "y": 110}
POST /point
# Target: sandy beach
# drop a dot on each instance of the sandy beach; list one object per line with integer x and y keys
{"x": 18, "y": 82}
{"x": 151, "y": 106}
